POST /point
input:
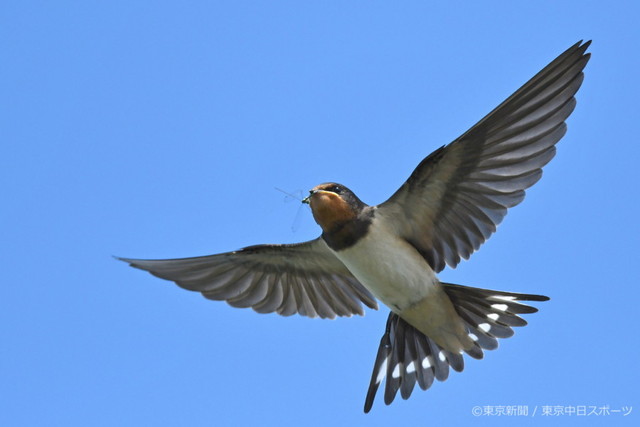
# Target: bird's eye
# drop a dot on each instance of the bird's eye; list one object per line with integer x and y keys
{"x": 336, "y": 189}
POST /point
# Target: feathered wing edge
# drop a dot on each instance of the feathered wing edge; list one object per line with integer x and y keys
{"x": 304, "y": 278}
{"x": 457, "y": 196}
{"x": 406, "y": 356}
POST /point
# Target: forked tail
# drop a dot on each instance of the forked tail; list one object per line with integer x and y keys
{"x": 407, "y": 356}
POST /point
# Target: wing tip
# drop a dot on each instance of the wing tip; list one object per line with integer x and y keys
{"x": 130, "y": 261}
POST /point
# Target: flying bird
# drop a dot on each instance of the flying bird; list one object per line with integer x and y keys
{"x": 391, "y": 252}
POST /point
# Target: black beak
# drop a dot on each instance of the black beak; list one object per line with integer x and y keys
{"x": 306, "y": 199}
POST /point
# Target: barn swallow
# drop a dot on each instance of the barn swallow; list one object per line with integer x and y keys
{"x": 391, "y": 252}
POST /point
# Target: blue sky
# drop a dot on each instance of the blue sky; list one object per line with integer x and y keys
{"x": 160, "y": 129}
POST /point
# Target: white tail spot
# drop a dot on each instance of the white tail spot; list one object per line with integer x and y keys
{"x": 411, "y": 368}
{"x": 493, "y": 316}
{"x": 504, "y": 297}
{"x": 396, "y": 371}
{"x": 427, "y": 362}
{"x": 441, "y": 356}
{"x": 382, "y": 372}
{"x": 473, "y": 337}
{"x": 484, "y": 327}
{"x": 501, "y": 307}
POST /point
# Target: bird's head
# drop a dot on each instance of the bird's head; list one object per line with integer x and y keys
{"x": 333, "y": 205}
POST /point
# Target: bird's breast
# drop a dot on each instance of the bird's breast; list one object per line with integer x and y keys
{"x": 389, "y": 267}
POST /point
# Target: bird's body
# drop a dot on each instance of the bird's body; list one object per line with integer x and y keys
{"x": 449, "y": 206}
{"x": 389, "y": 267}
{"x": 396, "y": 274}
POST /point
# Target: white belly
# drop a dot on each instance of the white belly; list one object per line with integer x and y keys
{"x": 390, "y": 268}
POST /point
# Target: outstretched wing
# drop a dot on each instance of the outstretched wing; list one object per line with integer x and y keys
{"x": 304, "y": 278}
{"x": 455, "y": 198}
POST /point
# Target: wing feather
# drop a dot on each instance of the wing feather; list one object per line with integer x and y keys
{"x": 304, "y": 278}
{"x": 456, "y": 197}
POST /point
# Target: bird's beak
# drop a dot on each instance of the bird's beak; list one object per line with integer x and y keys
{"x": 307, "y": 200}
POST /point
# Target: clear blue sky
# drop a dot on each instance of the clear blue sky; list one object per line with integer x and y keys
{"x": 160, "y": 129}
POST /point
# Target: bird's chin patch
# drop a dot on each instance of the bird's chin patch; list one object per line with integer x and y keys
{"x": 329, "y": 210}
